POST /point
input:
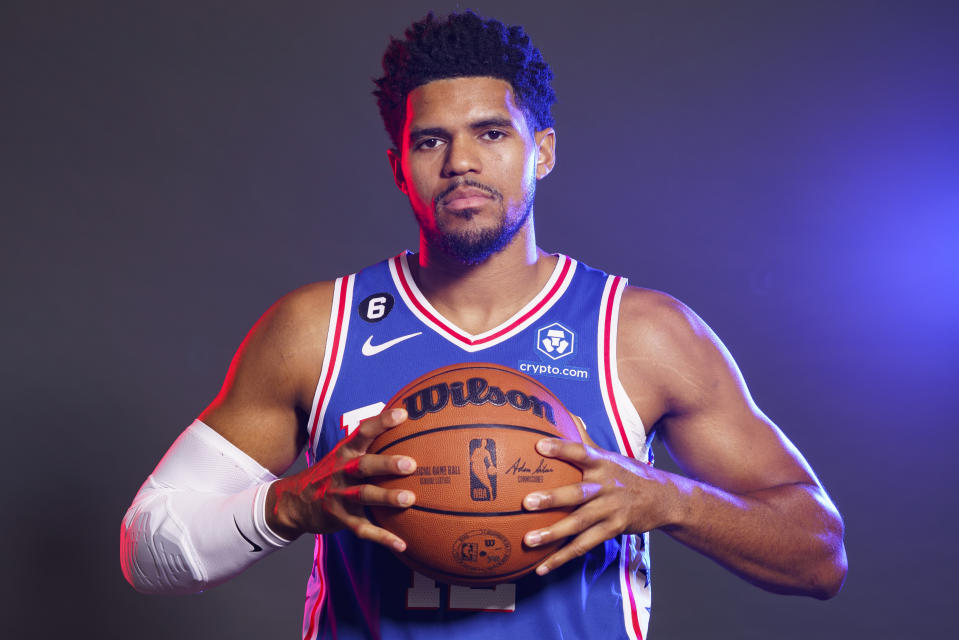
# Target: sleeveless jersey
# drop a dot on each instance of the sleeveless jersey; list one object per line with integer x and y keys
{"x": 383, "y": 334}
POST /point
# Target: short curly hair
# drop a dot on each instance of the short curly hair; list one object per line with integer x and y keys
{"x": 463, "y": 45}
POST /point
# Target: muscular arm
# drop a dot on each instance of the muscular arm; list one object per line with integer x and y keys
{"x": 750, "y": 500}
{"x": 266, "y": 397}
{"x": 209, "y": 509}
{"x": 199, "y": 518}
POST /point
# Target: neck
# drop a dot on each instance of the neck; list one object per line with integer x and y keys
{"x": 480, "y": 297}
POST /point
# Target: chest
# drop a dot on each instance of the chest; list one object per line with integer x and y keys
{"x": 387, "y": 336}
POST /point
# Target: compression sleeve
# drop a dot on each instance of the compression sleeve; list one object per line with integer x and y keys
{"x": 199, "y": 519}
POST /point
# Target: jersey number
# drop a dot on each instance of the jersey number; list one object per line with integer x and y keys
{"x": 425, "y": 594}
{"x": 350, "y": 420}
{"x": 377, "y": 308}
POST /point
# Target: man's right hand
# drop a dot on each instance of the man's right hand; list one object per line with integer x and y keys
{"x": 331, "y": 494}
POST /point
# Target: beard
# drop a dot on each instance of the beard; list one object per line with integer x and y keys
{"x": 474, "y": 246}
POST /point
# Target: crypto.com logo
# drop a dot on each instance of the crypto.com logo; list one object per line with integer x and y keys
{"x": 555, "y": 341}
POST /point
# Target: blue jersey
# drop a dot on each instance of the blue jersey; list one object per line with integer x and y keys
{"x": 383, "y": 334}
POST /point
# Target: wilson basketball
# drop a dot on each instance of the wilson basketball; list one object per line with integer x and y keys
{"x": 472, "y": 430}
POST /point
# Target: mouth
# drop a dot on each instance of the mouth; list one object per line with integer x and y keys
{"x": 463, "y": 197}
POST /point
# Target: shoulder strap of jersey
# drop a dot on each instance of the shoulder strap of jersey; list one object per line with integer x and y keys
{"x": 332, "y": 355}
{"x": 627, "y": 424}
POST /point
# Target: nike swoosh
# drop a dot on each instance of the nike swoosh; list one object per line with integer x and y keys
{"x": 256, "y": 547}
{"x": 370, "y": 349}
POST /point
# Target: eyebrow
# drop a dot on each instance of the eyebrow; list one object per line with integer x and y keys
{"x": 502, "y": 123}
{"x": 439, "y": 132}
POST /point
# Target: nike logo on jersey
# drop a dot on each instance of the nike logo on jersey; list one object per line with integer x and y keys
{"x": 370, "y": 349}
{"x": 255, "y": 546}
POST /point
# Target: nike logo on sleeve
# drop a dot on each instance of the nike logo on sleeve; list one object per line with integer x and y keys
{"x": 370, "y": 349}
{"x": 255, "y": 546}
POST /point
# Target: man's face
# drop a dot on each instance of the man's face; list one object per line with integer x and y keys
{"x": 469, "y": 164}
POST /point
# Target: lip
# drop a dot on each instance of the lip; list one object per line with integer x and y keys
{"x": 466, "y": 193}
{"x": 465, "y": 198}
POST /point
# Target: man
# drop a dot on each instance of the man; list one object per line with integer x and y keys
{"x": 466, "y": 102}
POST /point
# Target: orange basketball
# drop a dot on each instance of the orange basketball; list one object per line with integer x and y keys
{"x": 472, "y": 430}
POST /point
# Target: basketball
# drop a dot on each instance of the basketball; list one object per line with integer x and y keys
{"x": 472, "y": 430}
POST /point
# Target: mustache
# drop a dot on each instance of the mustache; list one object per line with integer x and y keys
{"x": 468, "y": 182}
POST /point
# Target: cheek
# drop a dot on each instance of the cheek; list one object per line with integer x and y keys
{"x": 421, "y": 192}
{"x": 417, "y": 187}
{"x": 523, "y": 176}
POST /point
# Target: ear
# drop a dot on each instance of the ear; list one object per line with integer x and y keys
{"x": 546, "y": 152}
{"x": 397, "y": 166}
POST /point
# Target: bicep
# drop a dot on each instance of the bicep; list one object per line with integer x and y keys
{"x": 263, "y": 404}
{"x": 735, "y": 448}
{"x": 705, "y": 415}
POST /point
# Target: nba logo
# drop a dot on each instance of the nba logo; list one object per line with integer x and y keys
{"x": 483, "y": 469}
{"x": 468, "y": 551}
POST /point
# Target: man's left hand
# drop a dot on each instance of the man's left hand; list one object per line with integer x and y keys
{"x": 617, "y": 495}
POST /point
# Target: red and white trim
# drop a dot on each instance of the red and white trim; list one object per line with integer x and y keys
{"x": 633, "y": 558}
{"x": 631, "y": 440}
{"x": 333, "y": 355}
{"x": 332, "y": 360}
{"x": 315, "y": 598}
{"x": 627, "y": 425}
{"x": 420, "y": 307}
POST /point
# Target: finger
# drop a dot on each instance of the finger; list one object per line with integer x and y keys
{"x": 568, "y": 496}
{"x": 583, "y": 434}
{"x": 371, "y": 428}
{"x": 574, "y": 549}
{"x": 578, "y": 454}
{"x": 573, "y": 524}
{"x": 369, "y": 465}
{"x": 372, "y": 495}
{"x": 363, "y": 528}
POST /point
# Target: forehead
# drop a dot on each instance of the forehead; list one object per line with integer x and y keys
{"x": 452, "y": 101}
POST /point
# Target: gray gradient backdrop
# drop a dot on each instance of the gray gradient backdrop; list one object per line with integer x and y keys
{"x": 789, "y": 170}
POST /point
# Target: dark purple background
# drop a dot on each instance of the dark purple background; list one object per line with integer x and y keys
{"x": 789, "y": 170}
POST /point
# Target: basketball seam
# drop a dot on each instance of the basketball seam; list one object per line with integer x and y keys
{"x": 457, "y": 427}
{"x": 484, "y": 514}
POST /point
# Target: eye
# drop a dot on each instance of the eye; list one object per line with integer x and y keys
{"x": 494, "y": 134}
{"x": 428, "y": 143}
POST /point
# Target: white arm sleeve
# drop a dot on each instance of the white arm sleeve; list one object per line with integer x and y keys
{"x": 199, "y": 519}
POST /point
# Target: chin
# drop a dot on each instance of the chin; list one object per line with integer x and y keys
{"x": 475, "y": 247}
{"x": 473, "y": 243}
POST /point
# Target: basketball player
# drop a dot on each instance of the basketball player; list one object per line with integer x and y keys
{"x": 466, "y": 102}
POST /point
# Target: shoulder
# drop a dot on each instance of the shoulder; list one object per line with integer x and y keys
{"x": 298, "y": 317}
{"x": 653, "y": 320}
{"x": 285, "y": 347}
{"x": 664, "y": 347}
{"x": 269, "y": 385}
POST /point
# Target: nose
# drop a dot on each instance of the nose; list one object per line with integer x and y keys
{"x": 462, "y": 157}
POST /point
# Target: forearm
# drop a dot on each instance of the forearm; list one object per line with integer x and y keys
{"x": 198, "y": 519}
{"x": 786, "y": 539}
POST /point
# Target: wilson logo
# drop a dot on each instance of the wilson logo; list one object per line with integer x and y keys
{"x": 475, "y": 391}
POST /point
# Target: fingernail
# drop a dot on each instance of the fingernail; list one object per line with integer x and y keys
{"x": 405, "y": 498}
{"x": 542, "y": 570}
{"x": 545, "y": 446}
{"x": 533, "y": 539}
{"x": 399, "y": 545}
{"x": 398, "y": 414}
{"x": 533, "y": 500}
{"x": 406, "y": 465}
